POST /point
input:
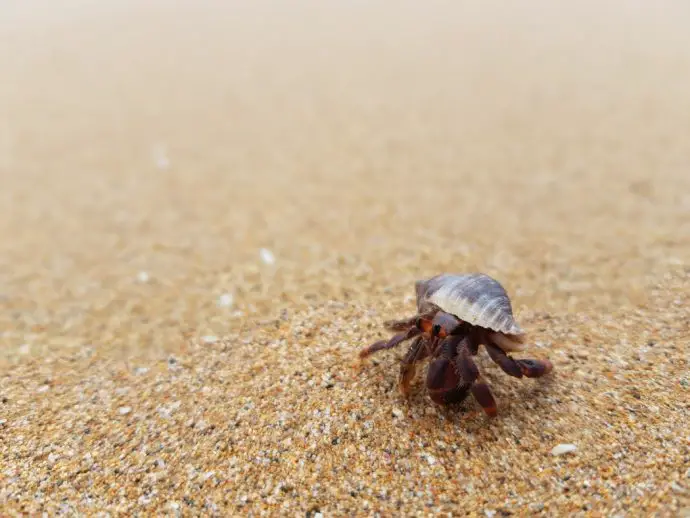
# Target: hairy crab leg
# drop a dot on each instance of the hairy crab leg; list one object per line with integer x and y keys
{"x": 389, "y": 344}
{"x": 444, "y": 383}
{"x": 471, "y": 375}
{"x": 417, "y": 352}
{"x": 482, "y": 393}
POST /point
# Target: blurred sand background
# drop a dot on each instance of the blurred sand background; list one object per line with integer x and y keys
{"x": 154, "y": 359}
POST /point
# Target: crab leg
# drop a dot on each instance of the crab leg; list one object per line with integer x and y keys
{"x": 465, "y": 365}
{"x": 535, "y": 368}
{"x": 405, "y": 323}
{"x": 482, "y": 393}
{"x": 471, "y": 375}
{"x": 389, "y": 344}
{"x": 445, "y": 384}
{"x": 518, "y": 368}
{"x": 402, "y": 324}
{"x": 504, "y": 361}
{"x": 417, "y": 352}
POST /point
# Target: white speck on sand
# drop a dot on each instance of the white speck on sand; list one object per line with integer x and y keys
{"x": 267, "y": 256}
{"x": 677, "y": 488}
{"x": 24, "y": 349}
{"x": 562, "y": 449}
{"x": 160, "y": 157}
{"x": 143, "y": 277}
{"x": 209, "y": 339}
{"x": 166, "y": 411}
{"x": 226, "y": 300}
{"x": 125, "y": 410}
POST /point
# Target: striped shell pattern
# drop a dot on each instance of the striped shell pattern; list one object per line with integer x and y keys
{"x": 475, "y": 298}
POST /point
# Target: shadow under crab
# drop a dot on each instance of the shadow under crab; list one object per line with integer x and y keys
{"x": 456, "y": 314}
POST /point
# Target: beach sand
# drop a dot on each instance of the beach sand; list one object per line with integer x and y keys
{"x": 208, "y": 209}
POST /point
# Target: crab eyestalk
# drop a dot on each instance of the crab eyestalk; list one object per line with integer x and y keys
{"x": 440, "y": 326}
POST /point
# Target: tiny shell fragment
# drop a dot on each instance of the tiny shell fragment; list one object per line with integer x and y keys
{"x": 562, "y": 449}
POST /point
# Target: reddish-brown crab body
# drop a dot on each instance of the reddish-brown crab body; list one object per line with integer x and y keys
{"x": 455, "y": 315}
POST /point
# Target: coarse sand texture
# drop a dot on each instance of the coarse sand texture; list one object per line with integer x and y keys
{"x": 208, "y": 209}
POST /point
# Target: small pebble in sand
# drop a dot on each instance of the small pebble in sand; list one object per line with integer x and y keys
{"x": 677, "y": 488}
{"x": 562, "y": 449}
{"x": 173, "y": 363}
{"x": 43, "y": 388}
{"x": 143, "y": 277}
{"x": 166, "y": 411}
{"x": 225, "y": 300}
{"x": 267, "y": 256}
{"x": 24, "y": 349}
{"x": 125, "y": 410}
{"x": 209, "y": 339}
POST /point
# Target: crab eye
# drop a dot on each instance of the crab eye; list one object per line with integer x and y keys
{"x": 436, "y": 329}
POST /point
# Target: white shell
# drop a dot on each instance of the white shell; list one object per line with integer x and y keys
{"x": 475, "y": 298}
{"x": 507, "y": 343}
{"x": 563, "y": 448}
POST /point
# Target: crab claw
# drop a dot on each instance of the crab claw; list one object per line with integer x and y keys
{"x": 535, "y": 368}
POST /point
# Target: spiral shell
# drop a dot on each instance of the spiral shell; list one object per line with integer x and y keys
{"x": 475, "y": 298}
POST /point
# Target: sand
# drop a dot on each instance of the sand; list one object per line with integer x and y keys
{"x": 207, "y": 210}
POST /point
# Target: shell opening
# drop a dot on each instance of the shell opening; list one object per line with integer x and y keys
{"x": 508, "y": 343}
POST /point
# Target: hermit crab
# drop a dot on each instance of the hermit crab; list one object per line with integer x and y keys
{"x": 456, "y": 313}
